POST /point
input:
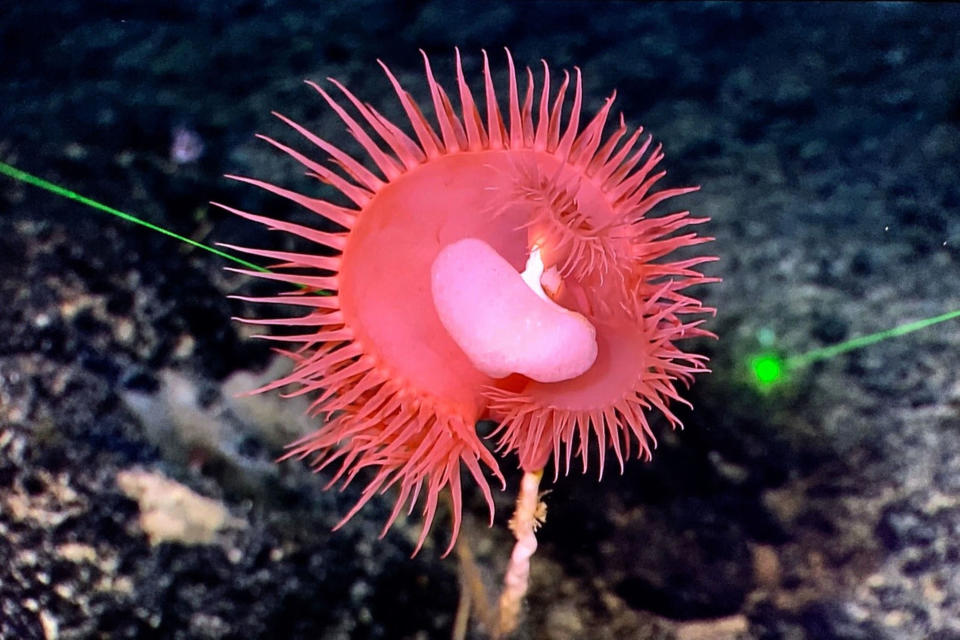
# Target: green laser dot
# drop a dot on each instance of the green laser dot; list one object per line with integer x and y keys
{"x": 767, "y": 369}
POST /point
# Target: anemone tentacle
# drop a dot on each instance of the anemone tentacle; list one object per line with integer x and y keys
{"x": 520, "y": 414}
{"x": 410, "y": 445}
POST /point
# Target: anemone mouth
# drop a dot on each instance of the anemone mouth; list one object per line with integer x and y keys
{"x": 400, "y": 397}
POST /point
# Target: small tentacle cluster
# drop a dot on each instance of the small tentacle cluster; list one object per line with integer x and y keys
{"x": 400, "y": 399}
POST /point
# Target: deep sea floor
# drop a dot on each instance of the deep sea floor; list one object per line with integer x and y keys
{"x": 826, "y": 139}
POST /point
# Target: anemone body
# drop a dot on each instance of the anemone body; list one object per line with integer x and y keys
{"x": 400, "y": 397}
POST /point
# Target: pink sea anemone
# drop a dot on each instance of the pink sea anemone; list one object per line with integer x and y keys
{"x": 416, "y": 326}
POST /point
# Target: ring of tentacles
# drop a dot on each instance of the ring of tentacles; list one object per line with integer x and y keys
{"x": 399, "y": 396}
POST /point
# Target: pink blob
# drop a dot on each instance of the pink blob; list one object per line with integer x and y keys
{"x": 501, "y": 323}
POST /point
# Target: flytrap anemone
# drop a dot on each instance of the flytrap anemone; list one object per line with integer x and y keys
{"x": 501, "y": 267}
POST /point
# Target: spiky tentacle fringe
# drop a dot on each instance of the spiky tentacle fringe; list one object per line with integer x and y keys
{"x": 530, "y": 427}
{"x": 406, "y": 438}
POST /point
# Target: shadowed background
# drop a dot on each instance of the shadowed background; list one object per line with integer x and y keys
{"x": 826, "y": 139}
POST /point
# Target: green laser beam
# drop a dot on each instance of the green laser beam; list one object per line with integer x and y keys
{"x": 767, "y": 369}
{"x": 23, "y": 176}
{"x": 864, "y": 341}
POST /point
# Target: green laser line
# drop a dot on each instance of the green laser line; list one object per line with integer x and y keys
{"x": 789, "y": 363}
{"x": 863, "y": 341}
{"x": 23, "y": 176}
{"x": 769, "y": 370}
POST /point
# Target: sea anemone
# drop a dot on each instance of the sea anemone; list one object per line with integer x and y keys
{"x": 501, "y": 268}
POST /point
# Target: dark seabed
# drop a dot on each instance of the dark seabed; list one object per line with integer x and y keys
{"x": 826, "y": 138}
